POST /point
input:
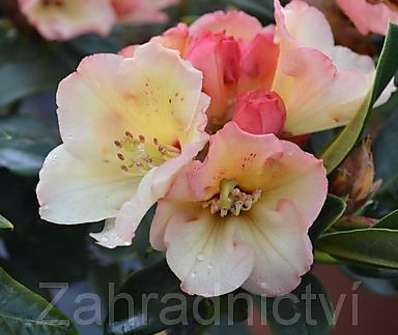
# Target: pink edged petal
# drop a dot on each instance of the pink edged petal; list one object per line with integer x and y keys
{"x": 259, "y": 61}
{"x": 72, "y": 191}
{"x": 336, "y": 80}
{"x": 283, "y": 248}
{"x": 128, "y": 51}
{"x": 298, "y": 176}
{"x": 368, "y": 17}
{"x": 245, "y": 163}
{"x": 236, "y": 24}
{"x": 203, "y": 254}
{"x": 122, "y": 230}
{"x": 71, "y": 19}
{"x": 295, "y": 26}
{"x": 175, "y": 38}
{"x": 331, "y": 98}
{"x": 179, "y": 193}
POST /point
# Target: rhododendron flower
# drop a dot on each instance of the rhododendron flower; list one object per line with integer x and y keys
{"x": 65, "y": 19}
{"x": 241, "y": 217}
{"x": 322, "y": 86}
{"x": 370, "y": 16}
{"x": 141, "y": 11}
{"x": 126, "y": 132}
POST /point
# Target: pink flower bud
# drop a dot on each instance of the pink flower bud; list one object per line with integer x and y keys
{"x": 218, "y": 57}
{"x": 260, "y": 112}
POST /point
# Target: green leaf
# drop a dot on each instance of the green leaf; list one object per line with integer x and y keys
{"x": 158, "y": 304}
{"x": 5, "y": 224}
{"x": 24, "y": 143}
{"x": 305, "y": 311}
{"x": 390, "y": 221}
{"x": 28, "y": 66}
{"x": 145, "y": 318}
{"x": 332, "y": 211}
{"x": 372, "y": 246}
{"x": 21, "y": 312}
{"x": 387, "y": 66}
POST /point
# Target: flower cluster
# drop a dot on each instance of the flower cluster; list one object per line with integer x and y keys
{"x": 201, "y": 121}
{"x": 65, "y": 19}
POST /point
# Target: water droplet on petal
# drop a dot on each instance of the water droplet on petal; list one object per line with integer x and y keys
{"x": 210, "y": 266}
{"x": 193, "y": 274}
{"x": 200, "y": 257}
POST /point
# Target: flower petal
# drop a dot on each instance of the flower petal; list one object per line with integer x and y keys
{"x": 234, "y": 23}
{"x": 73, "y": 191}
{"x": 283, "y": 248}
{"x": 218, "y": 57}
{"x": 245, "y": 163}
{"x": 368, "y": 17}
{"x": 295, "y": 25}
{"x": 204, "y": 255}
{"x": 298, "y": 176}
{"x": 259, "y": 61}
{"x": 331, "y": 98}
{"x": 122, "y": 230}
{"x": 71, "y": 19}
{"x": 337, "y": 81}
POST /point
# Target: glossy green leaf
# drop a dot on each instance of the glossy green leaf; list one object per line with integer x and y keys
{"x": 387, "y": 66}
{"x": 372, "y": 246}
{"x": 23, "y": 312}
{"x": 5, "y": 224}
{"x": 390, "y": 221}
{"x": 24, "y": 143}
{"x": 305, "y": 311}
{"x": 332, "y": 211}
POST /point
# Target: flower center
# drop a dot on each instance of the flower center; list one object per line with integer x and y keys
{"x": 231, "y": 199}
{"x": 138, "y": 155}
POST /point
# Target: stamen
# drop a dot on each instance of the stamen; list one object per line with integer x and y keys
{"x": 231, "y": 199}
{"x": 137, "y": 153}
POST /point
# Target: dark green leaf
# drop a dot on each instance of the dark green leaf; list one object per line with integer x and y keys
{"x": 5, "y": 224}
{"x": 305, "y": 311}
{"x": 332, "y": 210}
{"x": 387, "y": 66}
{"x": 390, "y": 221}
{"x": 28, "y": 66}
{"x": 24, "y": 143}
{"x": 373, "y": 246}
{"x": 22, "y": 312}
{"x": 145, "y": 318}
